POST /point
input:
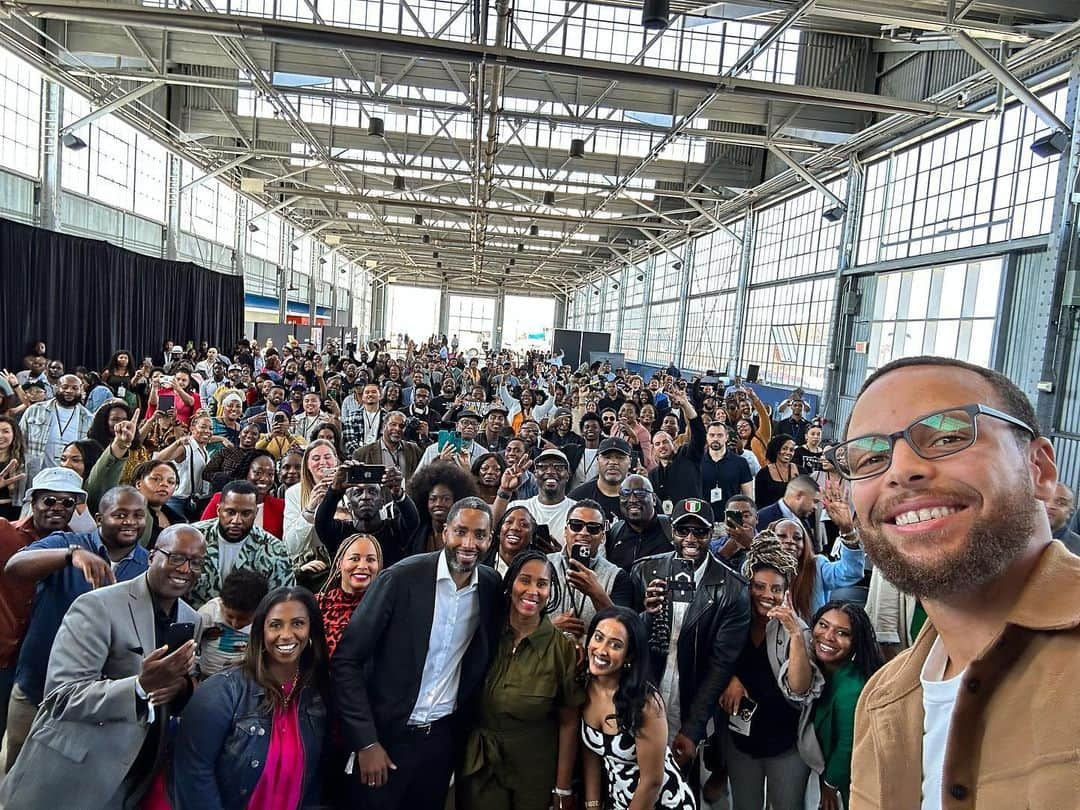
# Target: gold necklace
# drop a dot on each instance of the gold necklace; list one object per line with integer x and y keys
{"x": 291, "y": 683}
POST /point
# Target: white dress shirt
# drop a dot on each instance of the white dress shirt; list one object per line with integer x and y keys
{"x": 456, "y": 618}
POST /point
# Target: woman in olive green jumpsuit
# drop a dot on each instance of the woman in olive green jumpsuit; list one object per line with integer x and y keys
{"x": 521, "y": 750}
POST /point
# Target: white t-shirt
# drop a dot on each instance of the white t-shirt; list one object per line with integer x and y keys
{"x": 939, "y": 698}
{"x": 553, "y": 516}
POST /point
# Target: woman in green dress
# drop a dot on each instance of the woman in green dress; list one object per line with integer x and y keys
{"x": 846, "y": 650}
{"x": 520, "y": 753}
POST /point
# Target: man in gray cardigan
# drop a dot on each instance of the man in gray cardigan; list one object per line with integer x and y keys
{"x": 112, "y": 685}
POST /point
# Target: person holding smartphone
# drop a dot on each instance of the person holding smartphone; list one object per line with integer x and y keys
{"x": 697, "y": 618}
{"x": 773, "y": 678}
{"x": 587, "y": 581}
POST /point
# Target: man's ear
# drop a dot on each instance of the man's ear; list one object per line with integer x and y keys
{"x": 1043, "y": 468}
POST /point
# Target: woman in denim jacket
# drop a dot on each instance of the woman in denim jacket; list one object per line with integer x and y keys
{"x": 251, "y": 736}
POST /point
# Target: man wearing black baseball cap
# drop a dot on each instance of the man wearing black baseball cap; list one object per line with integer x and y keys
{"x": 493, "y": 437}
{"x": 613, "y": 465}
{"x": 698, "y": 617}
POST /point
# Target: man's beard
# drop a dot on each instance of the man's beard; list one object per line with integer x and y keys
{"x": 993, "y": 542}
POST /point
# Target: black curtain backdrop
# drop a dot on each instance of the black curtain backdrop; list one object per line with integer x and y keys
{"x": 85, "y": 299}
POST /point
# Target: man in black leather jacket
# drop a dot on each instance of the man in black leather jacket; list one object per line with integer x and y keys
{"x": 695, "y": 632}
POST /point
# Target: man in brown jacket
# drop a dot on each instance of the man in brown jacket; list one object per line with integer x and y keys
{"x": 948, "y": 475}
{"x": 392, "y": 449}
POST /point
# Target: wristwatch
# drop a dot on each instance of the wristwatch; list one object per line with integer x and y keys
{"x": 70, "y": 556}
{"x": 850, "y": 539}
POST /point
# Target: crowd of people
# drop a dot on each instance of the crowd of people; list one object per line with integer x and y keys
{"x": 300, "y": 576}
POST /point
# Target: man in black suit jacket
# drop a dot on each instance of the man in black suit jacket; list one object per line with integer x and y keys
{"x": 416, "y": 650}
{"x": 800, "y": 502}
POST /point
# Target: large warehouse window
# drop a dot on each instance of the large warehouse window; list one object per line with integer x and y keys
{"x": 20, "y": 107}
{"x": 660, "y": 339}
{"x": 710, "y": 321}
{"x": 120, "y": 166}
{"x": 949, "y": 311}
{"x": 793, "y": 239}
{"x": 412, "y": 311}
{"x": 472, "y": 319}
{"x": 974, "y": 185}
{"x": 527, "y": 322}
{"x": 716, "y": 262}
{"x": 787, "y": 331}
{"x": 209, "y": 208}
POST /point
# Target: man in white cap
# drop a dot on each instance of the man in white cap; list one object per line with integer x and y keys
{"x": 550, "y": 506}
{"x": 52, "y": 500}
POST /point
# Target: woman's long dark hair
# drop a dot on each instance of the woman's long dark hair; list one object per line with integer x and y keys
{"x": 99, "y": 426}
{"x": 528, "y": 556}
{"x": 91, "y": 452}
{"x": 112, "y": 366}
{"x": 634, "y": 689}
{"x": 772, "y": 450}
{"x": 18, "y": 441}
{"x": 460, "y": 483}
{"x": 313, "y": 669}
{"x": 338, "y": 443}
{"x": 493, "y": 549}
{"x": 865, "y": 651}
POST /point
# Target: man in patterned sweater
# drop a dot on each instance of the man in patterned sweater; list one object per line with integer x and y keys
{"x": 234, "y": 541}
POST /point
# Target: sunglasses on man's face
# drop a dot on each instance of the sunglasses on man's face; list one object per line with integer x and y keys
{"x": 700, "y": 532}
{"x": 589, "y": 526}
{"x": 50, "y": 501}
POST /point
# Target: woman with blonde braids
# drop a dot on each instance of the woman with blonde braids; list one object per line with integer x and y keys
{"x": 774, "y": 676}
{"x": 356, "y": 564}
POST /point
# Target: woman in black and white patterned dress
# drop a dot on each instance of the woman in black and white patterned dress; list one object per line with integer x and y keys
{"x": 623, "y": 723}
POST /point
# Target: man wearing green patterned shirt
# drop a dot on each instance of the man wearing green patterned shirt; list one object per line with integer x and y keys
{"x": 234, "y": 541}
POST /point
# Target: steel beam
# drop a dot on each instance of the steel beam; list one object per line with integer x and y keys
{"x": 800, "y": 170}
{"x": 429, "y": 205}
{"x": 1010, "y": 82}
{"x": 238, "y": 27}
{"x": 220, "y": 170}
{"x": 110, "y": 107}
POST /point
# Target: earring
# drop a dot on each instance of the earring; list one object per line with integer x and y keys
{"x": 627, "y": 665}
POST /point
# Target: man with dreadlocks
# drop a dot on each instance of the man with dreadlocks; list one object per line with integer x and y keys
{"x": 697, "y": 625}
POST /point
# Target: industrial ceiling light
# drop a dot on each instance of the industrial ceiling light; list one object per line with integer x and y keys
{"x": 654, "y": 14}
{"x": 1056, "y": 143}
{"x": 73, "y": 142}
{"x": 399, "y": 183}
{"x": 425, "y": 238}
{"x": 294, "y": 247}
{"x": 253, "y": 228}
{"x": 521, "y": 247}
{"x": 322, "y": 260}
{"x": 549, "y": 198}
{"x": 418, "y": 219}
{"x": 534, "y": 230}
{"x": 641, "y": 277}
{"x": 836, "y": 213}
{"x": 615, "y": 286}
{"x": 577, "y": 148}
{"x": 376, "y": 127}
{"x": 438, "y": 265}
{"x": 434, "y": 254}
{"x": 513, "y": 261}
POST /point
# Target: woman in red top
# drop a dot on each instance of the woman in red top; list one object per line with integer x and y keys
{"x": 358, "y": 562}
{"x": 259, "y": 468}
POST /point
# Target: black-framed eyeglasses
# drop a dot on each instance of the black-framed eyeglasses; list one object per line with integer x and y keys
{"x": 196, "y": 564}
{"x": 933, "y": 436}
{"x": 700, "y": 532}
{"x": 576, "y": 525}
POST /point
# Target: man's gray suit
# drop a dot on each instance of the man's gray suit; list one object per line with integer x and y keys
{"x": 88, "y": 730}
